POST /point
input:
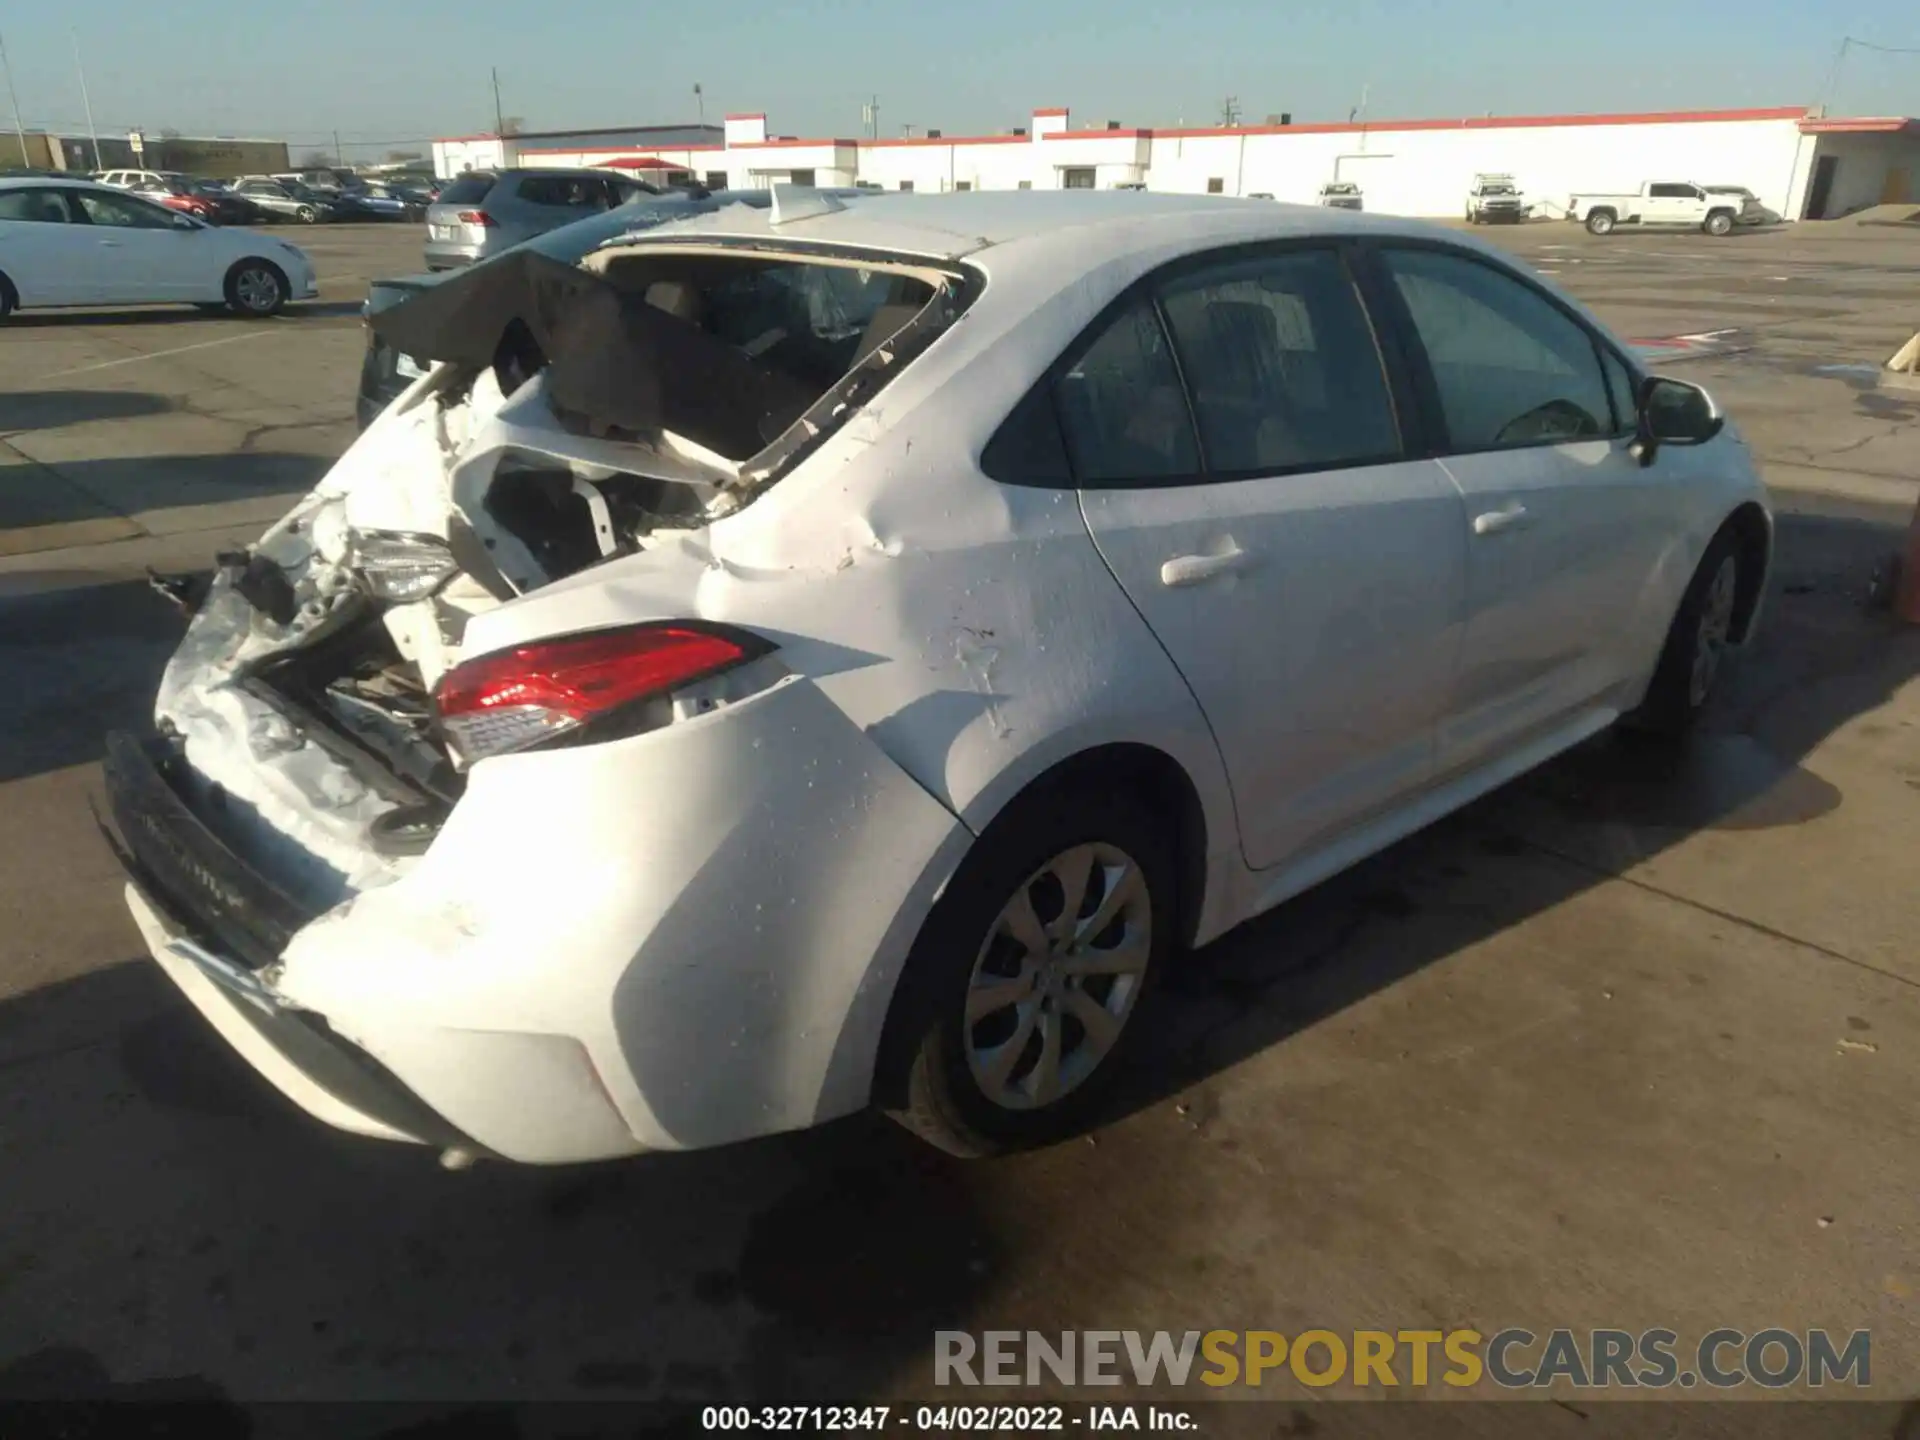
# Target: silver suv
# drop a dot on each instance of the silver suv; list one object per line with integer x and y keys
{"x": 484, "y": 212}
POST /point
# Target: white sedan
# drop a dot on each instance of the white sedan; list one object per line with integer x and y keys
{"x": 844, "y": 654}
{"x": 66, "y": 242}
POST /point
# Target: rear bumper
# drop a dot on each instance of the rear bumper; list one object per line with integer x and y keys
{"x": 212, "y": 924}
{"x": 450, "y": 255}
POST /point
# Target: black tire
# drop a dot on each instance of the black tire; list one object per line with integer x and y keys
{"x": 9, "y": 297}
{"x": 1600, "y": 222}
{"x": 1683, "y": 680}
{"x": 256, "y": 289}
{"x": 932, "y": 1054}
{"x": 1718, "y": 223}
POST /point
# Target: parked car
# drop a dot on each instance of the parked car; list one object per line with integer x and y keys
{"x": 78, "y": 243}
{"x": 1341, "y": 195}
{"x": 1667, "y": 204}
{"x": 287, "y": 199}
{"x": 413, "y": 201}
{"x": 127, "y": 179}
{"x": 1496, "y": 199}
{"x": 363, "y": 202}
{"x": 484, "y": 212}
{"x": 180, "y": 194}
{"x": 857, "y": 706}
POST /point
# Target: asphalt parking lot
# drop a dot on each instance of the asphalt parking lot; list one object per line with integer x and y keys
{"x": 1625, "y": 1044}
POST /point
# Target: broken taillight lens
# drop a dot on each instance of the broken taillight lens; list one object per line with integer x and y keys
{"x": 515, "y": 698}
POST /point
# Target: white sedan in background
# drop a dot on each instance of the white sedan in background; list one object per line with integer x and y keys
{"x": 66, "y": 243}
{"x": 801, "y": 658}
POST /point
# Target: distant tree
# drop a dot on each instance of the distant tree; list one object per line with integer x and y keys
{"x": 169, "y": 133}
{"x": 314, "y": 159}
{"x": 512, "y": 125}
{"x": 401, "y": 157}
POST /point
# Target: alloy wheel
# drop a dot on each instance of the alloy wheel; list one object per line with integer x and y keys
{"x": 258, "y": 289}
{"x": 1716, "y": 624}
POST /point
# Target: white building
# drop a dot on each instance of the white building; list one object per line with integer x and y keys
{"x": 1797, "y": 164}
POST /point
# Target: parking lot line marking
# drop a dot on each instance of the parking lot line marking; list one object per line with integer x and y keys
{"x": 158, "y": 354}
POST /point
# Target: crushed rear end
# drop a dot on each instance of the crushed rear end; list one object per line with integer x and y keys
{"x": 440, "y": 895}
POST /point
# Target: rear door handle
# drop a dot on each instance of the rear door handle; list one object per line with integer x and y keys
{"x": 1194, "y": 569}
{"x": 1514, "y": 517}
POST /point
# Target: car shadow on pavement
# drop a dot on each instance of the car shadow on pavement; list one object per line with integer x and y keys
{"x": 1577, "y": 822}
{"x": 52, "y": 409}
{"x": 113, "y": 487}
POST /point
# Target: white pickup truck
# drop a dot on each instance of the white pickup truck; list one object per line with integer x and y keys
{"x": 1676, "y": 203}
{"x": 1496, "y": 198}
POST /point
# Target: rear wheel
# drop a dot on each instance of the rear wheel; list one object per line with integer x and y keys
{"x": 1600, "y": 222}
{"x": 1025, "y": 987}
{"x": 256, "y": 288}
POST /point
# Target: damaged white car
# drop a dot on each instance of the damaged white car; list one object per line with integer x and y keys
{"x": 843, "y": 654}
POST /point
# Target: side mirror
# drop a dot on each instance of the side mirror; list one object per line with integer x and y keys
{"x": 1673, "y": 412}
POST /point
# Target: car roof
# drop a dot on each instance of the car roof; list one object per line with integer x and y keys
{"x": 1108, "y": 223}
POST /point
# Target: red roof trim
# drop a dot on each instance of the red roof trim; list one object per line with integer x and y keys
{"x": 1860, "y": 125}
{"x": 1100, "y": 134}
{"x": 1502, "y": 122}
{"x": 946, "y": 140}
{"x": 786, "y": 143}
{"x": 749, "y": 115}
{"x": 1038, "y": 113}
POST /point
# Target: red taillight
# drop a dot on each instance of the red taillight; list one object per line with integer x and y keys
{"x": 477, "y": 217}
{"x": 515, "y": 698}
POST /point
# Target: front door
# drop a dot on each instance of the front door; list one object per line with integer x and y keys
{"x": 1564, "y": 527}
{"x": 139, "y": 254}
{"x": 1241, "y": 470}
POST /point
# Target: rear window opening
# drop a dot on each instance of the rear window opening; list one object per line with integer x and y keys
{"x": 656, "y": 385}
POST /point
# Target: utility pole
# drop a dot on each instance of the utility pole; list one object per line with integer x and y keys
{"x": 1230, "y": 111}
{"x": 87, "y": 100}
{"x": 499, "y": 123}
{"x": 14, "y": 96}
{"x": 700, "y": 99}
{"x": 870, "y": 113}
{"x": 338, "y": 158}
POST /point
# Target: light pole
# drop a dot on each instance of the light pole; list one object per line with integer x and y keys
{"x": 87, "y": 100}
{"x": 700, "y": 100}
{"x": 14, "y": 95}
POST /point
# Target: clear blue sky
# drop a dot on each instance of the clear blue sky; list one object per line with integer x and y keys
{"x": 403, "y": 70}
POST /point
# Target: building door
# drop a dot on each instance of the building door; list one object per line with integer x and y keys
{"x": 1893, "y": 190}
{"x": 1077, "y": 177}
{"x": 1822, "y": 186}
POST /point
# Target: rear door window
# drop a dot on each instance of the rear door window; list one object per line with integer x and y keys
{"x": 41, "y": 206}
{"x": 1281, "y": 365}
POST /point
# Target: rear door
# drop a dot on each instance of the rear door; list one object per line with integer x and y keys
{"x": 1236, "y": 442}
{"x": 1533, "y": 416}
{"x": 40, "y": 249}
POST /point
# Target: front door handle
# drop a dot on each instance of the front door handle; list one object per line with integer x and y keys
{"x": 1194, "y": 569}
{"x": 1514, "y": 517}
{"x": 111, "y": 244}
